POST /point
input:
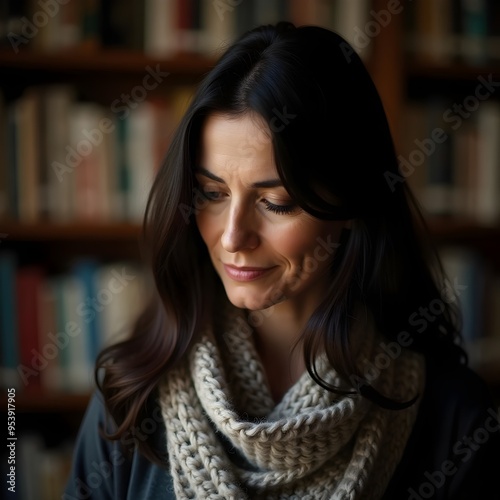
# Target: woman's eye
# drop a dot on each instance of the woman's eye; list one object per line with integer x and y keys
{"x": 279, "y": 209}
{"x": 212, "y": 195}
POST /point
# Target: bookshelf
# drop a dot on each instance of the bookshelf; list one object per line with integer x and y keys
{"x": 449, "y": 78}
{"x": 100, "y": 73}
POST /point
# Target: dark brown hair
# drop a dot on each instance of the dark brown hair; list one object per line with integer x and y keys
{"x": 328, "y": 129}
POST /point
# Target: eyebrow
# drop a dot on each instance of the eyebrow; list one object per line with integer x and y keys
{"x": 271, "y": 183}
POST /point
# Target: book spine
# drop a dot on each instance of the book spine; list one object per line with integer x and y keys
{"x": 51, "y": 341}
{"x": 140, "y": 157}
{"x": 28, "y": 282}
{"x": 160, "y": 28}
{"x": 475, "y": 26}
{"x": 9, "y": 332}
{"x": 488, "y": 171}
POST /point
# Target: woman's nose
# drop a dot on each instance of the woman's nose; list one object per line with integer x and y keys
{"x": 240, "y": 230}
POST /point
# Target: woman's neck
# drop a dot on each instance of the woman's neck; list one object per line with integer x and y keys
{"x": 276, "y": 336}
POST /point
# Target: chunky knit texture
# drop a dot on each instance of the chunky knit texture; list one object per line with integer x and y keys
{"x": 314, "y": 444}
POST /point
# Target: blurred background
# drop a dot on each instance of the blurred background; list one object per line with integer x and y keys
{"x": 90, "y": 92}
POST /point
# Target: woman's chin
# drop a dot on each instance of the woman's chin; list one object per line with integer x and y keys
{"x": 249, "y": 302}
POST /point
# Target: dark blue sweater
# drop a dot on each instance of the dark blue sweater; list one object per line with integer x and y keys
{"x": 453, "y": 451}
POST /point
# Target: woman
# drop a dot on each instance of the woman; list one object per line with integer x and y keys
{"x": 288, "y": 354}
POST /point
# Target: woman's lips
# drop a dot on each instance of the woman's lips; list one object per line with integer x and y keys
{"x": 246, "y": 273}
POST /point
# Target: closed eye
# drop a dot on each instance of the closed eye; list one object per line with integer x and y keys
{"x": 212, "y": 195}
{"x": 279, "y": 209}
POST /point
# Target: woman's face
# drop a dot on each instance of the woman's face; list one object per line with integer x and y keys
{"x": 265, "y": 249}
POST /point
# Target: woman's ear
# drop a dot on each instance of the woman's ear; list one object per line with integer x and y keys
{"x": 348, "y": 224}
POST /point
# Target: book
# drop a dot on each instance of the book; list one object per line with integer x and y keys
{"x": 29, "y": 279}
{"x": 439, "y": 191}
{"x": 69, "y": 28}
{"x": 4, "y": 191}
{"x": 164, "y": 128}
{"x": 85, "y": 271}
{"x": 59, "y": 162}
{"x": 12, "y": 23}
{"x": 465, "y": 157}
{"x": 465, "y": 268}
{"x": 160, "y": 36}
{"x": 493, "y": 31}
{"x": 51, "y": 340}
{"x": 350, "y": 20}
{"x": 435, "y": 42}
{"x": 272, "y": 11}
{"x": 413, "y": 162}
{"x": 90, "y": 25}
{"x": 140, "y": 152}
{"x": 30, "y": 452}
{"x": 88, "y": 150}
{"x": 475, "y": 28}
{"x": 122, "y": 27}
{"x": 13, "y": 159}
{"x": 125, "y": 286}
{"x": 46, "y": 18}
{"x": 28, "y": 154}
{"x": 221, "y": 23}
{"x": 8, "y": 321}
{"x": 488, "y": 163}
{"x": 123, "y": 179}
{"x": 492, "y": 295}
{"x": 188, "y": 26}
{"x": 77, "y": 368}
{"x": 243, "y": 15}
{"x": 113, "y": 205}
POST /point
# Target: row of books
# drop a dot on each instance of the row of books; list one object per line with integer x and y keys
{"x": 450, "y": 156}
{"x": 62, "y": 159}
{"x": 53, "y": 326}
{"x": 162, "y": 28}
{"x": 447, "y": 31}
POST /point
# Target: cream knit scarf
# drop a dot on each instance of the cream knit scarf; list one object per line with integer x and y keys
{"x": 228, "y": 440}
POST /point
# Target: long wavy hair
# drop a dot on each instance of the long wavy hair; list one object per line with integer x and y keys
{"x": 331, "y": 141}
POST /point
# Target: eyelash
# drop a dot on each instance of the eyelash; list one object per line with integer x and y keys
{"x": 277, "y": 209}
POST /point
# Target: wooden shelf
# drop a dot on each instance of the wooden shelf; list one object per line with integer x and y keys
{"x": 77, "y": 231}
{"x": 101, "y": 75}
{"x": 111, "y": 61}
{"x": 457, "y": 230}
{"x": 54, "y": 244}
{"x": 451, "y": 72}
{"x": 443, "y": 228}
{"x": 48, "y": 402}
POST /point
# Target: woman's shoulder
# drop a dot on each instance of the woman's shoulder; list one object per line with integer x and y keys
{"x": 458, "y": 407}
{"x": 457, "y": 384}
{"x": 102, "y": 469}
{"x": 453, "y": 451}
